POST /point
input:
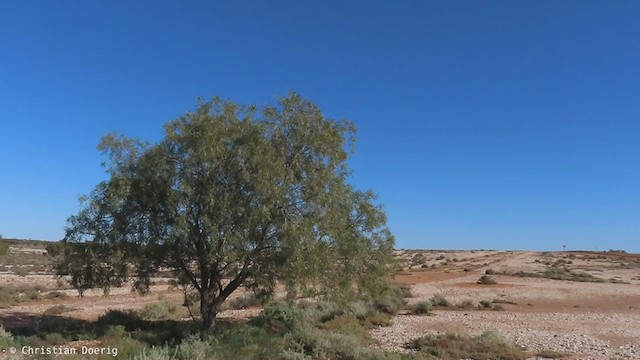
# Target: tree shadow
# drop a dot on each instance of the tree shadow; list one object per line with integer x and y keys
{"x": 114, "y": 323}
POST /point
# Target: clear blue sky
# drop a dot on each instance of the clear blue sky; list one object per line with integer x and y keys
{"x": 481, "y": 124}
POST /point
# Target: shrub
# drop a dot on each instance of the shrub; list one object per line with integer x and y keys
{"x": 163, "y": 310}
{"x": 6, "y": 339}
{"x": 54, "y": 339}
{"x": 4, "y": 248}
{"x": 127, "y": 318}
{"x": 490, "y": 272}
{"x": 486, "y": 304}
{"x": 280, "y": 317}
{"x": 7, "y": 298}
{"x": 20, "y": 271}
{"x": 486, "y": 280}
{"x": 439, "y": 300}
{"x": 391, "y": 299}
{"x": 117, "y": 331}
{"x": 403, "y": 290}
{"x": 57, "y": 310}
{"x": 465, "y": 305}
{"x": 422, "y": 307}
{"x": 54, "y": 249}
{"x": 127, "y": 347}
{"x": 489, "y": 345}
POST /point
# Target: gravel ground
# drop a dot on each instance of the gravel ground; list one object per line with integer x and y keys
{"x": 562, "y": 332}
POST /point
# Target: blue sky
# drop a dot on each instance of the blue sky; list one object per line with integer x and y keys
{"x": 481, "y": 124}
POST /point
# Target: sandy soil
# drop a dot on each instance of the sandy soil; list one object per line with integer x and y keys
{"x": 585, "y": 319}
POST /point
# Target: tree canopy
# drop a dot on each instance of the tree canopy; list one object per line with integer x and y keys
{"x": 232, "y": 196}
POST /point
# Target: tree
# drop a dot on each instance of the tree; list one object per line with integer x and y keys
{"x": 232, "y": 196}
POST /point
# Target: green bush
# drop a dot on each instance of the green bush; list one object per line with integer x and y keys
{"x": 280, "y": 317}
{"x": 127, "y": 347}
{"x": 4, "y": 248}
{"x": 488, "y": 346}
{"x": 439, "y": 300}
{"x": 163, "y": 310}
{"x": 422, "y": 307}
{"x": 56, "y": 295}
{"x": 127, "y": 318}
{"x": 6, "y": 339}
{"x": 391, "y": 299}
{"x": 7, "y": 298}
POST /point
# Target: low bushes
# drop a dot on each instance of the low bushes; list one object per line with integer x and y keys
{"x": 489, "y": 345}
{"x": 421, "y": 308}
{"x": 163, "y": 310}
{"x": 438, "y": 300}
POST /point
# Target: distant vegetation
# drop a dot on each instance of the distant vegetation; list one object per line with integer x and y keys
{"x": 4, "y": 247}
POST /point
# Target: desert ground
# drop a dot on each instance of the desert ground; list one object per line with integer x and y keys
{"x": 570, "y": 304}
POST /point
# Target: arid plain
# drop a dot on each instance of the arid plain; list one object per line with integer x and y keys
{"x": 569, "y": 304}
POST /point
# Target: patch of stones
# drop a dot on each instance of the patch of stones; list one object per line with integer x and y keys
{"x": 533, "y": 331}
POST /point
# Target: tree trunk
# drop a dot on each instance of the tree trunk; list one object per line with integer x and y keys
{"x": 208, "y": 309}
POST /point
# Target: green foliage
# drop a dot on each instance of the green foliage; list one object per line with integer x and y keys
{"x": 54, "y": 249}
{"x": 488, "y": 346}
{"x": 254, "y": 195}
{"x": 131, "y": 320}
{"x": 6, "y": 340}
{"x": 422, "y": 307}
{"x": 4, "y": 248}
{"x": 160, "y": 311}
{"x": 7, "y": 298}
{"x": 280, "y": 317}
{"x": 439, "y": 301}
{"x": 391, "y": 299}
